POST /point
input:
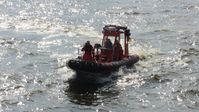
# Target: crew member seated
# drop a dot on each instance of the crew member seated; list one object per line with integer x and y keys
{"x": 97, "y": 52}
{"x": 88, "y": 51}
{"x": 118, "y": 52}
{"x": 108, "y": 44}
{"x": 107, "y": 51}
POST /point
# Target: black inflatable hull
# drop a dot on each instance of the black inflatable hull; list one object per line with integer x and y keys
{"x": 94, "y": 69}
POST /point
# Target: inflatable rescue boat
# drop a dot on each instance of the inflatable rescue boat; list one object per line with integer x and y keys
{"x": 106, "y": 57}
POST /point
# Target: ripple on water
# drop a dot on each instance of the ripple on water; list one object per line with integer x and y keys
{"x": 188, "y": 97}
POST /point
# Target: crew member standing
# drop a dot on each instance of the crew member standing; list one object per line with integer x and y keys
{"x": 108, "y": 44}
{"x": 88, "y": 50}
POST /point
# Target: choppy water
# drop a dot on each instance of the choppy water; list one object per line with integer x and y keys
{"x": 37, "y": 37}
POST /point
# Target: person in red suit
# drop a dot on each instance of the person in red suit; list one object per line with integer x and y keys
{"x": 88, "y": 51}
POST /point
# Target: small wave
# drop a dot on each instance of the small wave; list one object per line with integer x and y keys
{"x": 6, "y": 42}
{"x": 192, "y": 7}
{"x": 188, "y": 52}
{"x": 166, "y": 11}
{"x": 12, "y": 42}
{"x": 162, "y": 30}
{"x": 135, "y": 13}
{"x": 189, "y": 97}
{"x": 30, "y": 94}
{"x": 191, "y": 92}
{"x": 157, "y": 79}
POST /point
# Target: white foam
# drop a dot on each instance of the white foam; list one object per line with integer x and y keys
{"x": 142, "y": 49}
{"x": 48, "y": 43}
{"x": 130, "y": 79}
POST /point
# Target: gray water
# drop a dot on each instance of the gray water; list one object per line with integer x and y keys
{"x": 38, "y": 37}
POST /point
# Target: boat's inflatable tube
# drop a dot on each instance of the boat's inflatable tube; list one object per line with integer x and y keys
{"x": 95, "y": 67}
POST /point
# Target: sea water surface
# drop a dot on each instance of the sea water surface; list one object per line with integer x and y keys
{"x": 38, "y": 37}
